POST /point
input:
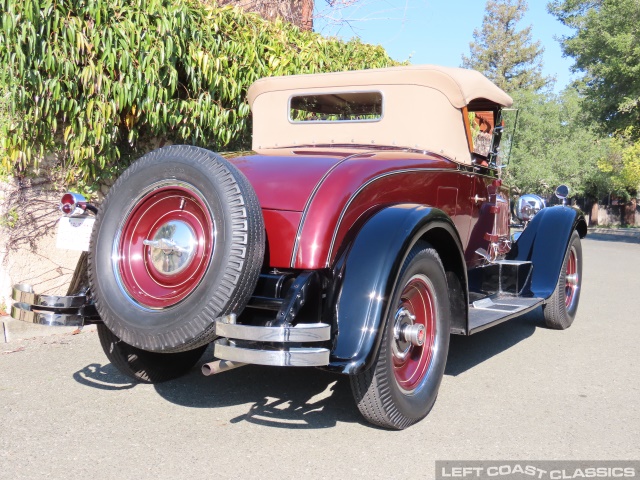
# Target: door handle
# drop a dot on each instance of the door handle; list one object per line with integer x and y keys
{"x": 478, "y": 199}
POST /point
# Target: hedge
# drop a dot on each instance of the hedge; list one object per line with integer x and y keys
{"x": 93, "y": 80}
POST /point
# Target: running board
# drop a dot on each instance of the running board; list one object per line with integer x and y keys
{"x": 488, "y": 312}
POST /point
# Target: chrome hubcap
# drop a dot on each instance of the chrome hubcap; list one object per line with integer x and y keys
{"x": 414, "y": 329}
{"x": 406, "y": 334}
{"x": 172, "y": 248}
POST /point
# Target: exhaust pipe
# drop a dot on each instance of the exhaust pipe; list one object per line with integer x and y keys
{"x": 219, "y": 366}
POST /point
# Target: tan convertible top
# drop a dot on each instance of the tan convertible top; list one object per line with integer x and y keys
{"x": 460, "y": 85}
{"x": 422, "y": 108}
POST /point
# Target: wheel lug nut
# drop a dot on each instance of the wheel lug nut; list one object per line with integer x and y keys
{"x": 414, "y": 334}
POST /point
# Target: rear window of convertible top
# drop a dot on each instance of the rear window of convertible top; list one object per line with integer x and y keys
{"x": 336, "y": 107}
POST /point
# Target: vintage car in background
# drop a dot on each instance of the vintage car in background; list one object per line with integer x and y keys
{"x": 369, "y": 223}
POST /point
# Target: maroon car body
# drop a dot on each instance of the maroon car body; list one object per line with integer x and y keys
{"x": 368, "y": 224}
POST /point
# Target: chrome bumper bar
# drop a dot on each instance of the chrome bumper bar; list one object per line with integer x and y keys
{"x": 24, "y": 313}
{"x": 23, "y": 293}
{"x": 51, "y": 310}
{"x": 291, "y": 357}
{"x": 309, "y": 332}
{"x": 278, "y": 346}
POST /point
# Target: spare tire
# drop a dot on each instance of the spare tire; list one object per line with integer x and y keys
{"x": 178, "y": 241}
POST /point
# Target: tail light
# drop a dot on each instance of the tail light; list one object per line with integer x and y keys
{"x": 72, "y": 204}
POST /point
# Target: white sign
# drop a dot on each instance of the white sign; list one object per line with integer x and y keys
{"x": 74, "y": 233}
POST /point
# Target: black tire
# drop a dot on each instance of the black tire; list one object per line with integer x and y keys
{"x": 164, "y": 296}
{"x": 561, "y": 307}
{"x": 143, "y": 366}
{"x": 383, "y": 395}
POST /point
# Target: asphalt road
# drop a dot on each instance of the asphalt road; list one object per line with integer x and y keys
{"x": 517, "y": 391}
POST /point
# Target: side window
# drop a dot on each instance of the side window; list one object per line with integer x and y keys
{"x": 482, "y": 124}
{"x": 500, "y": 150}
{"x": 492, "y": 134}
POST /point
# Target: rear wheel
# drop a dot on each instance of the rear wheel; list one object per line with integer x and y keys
{"x": 561, "y": 308}
{"x": 178, "y": 242}
{"x": 402, "y": 386}
{"x": 143, "y": 366}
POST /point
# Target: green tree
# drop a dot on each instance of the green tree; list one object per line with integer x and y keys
{"x": 505, "y": 54}
{"x": 606, "y": 48}
{"x": 556, "y": 143}
{"x": 622, "y": 167}
{"x": 5, "y": 115}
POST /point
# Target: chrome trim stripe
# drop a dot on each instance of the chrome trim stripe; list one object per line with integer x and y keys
{"x": 365, "y": 185}
{"x": 23, "y": 293}
{"x": 305, "y": 210}
{"x": 23, "y": 312}
{"x": 308, "y": 332}
{"x": 293, "y": 357}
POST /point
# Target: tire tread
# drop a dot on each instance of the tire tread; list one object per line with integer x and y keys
{"x": 245, "y": 258}
{"x": 371, "y": 388}
{"x": 555, "y": 311}
{"x": 143, "y": 366}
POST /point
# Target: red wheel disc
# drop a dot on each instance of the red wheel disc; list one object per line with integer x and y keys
{"x": 163, "y": 248}
{"x": 417, "y": 306}
{"x": 571, "y": 279}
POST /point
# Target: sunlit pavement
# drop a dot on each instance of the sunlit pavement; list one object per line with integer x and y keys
{"x": 516, "y": 391}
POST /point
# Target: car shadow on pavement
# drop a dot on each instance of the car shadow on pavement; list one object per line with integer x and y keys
{"x": 300, "y": 398}
{"x": 467, "y": 352}
{"x": 293, "y": 398}
{"x": 103, "y": 377}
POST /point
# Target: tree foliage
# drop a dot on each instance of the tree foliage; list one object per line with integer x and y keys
{"x": 6, "y": 119}
{"x": 622, "y": 167}
{"x": 556, "y": 143}
{"x": 606, "y": 48}
{"x": 505, "y": 54}
{"x": 94, "y": 79}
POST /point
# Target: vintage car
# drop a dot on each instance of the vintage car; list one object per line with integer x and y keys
{"x": 369, "y": 223}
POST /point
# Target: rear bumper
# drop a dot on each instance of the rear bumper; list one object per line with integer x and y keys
{"x": 51, "y": 310}
{"x": 302, "y": 345}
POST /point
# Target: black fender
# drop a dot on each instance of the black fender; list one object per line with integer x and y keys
{"x": 366, "y": 272}
{"x": 544, "y": 243}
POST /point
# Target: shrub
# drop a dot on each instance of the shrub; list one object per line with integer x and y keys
{"x": 5, "y": 113}
{"x": 93, "y": 80}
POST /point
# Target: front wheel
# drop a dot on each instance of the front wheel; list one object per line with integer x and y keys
{"x": 401, "y": 388}
{"x": 561, "y": 308}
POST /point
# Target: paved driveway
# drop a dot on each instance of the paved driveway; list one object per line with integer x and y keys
{"x": 517, "y": 391}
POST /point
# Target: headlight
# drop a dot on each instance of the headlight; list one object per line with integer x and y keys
{"x": 527, "y": 206}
